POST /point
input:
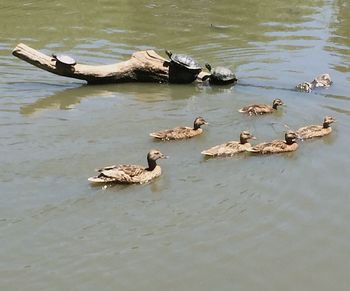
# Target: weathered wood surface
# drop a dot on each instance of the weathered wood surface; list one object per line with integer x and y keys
{"x": 143, "y": 66}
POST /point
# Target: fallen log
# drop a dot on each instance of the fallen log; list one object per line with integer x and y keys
{"x": 143, "y": 66}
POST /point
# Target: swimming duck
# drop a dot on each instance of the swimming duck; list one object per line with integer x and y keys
{"x": 305, "y": 87}
{"x": 311, "y": 131}
{"x": 232, "y": 147}
{"x": 277, "y": 146}
{"x": 131, "y": 173}
{"x": 261, "y": 108}
{"x": 181, "y": 132}
{"x": 321, "y": 81}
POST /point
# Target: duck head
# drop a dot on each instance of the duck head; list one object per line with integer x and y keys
{"x": 198, "y": 122}
{"x": 245, "y": 136}
{"x": 327, "y": 121}
{"x": 290, "y": 137}
{"x": 155, "y": 155}
{"x": 277, "y": 102}
{"x": 152, "y": 157}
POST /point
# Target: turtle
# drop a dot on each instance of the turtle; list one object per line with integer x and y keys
{"x": 220, "y": 75}
{"x": 64, "y": 60}
{"x": 182, "y": 68}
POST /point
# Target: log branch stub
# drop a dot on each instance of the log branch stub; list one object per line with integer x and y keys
{"x": 143, "y": 66}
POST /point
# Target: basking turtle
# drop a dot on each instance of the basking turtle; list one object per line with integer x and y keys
{"x": 220, "y": 75}
{"x": 64, "y": 61}
{"x": 182, "y": 68}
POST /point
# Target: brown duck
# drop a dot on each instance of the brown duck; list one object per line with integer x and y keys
{"x": 261, "y": 108}
{"x": 311, "y": 131}
{"x": 232, "y": 147}
{"x": 131, "y": 173}
{"x": 277, "y": 146}
{"x": 181, "y": 132}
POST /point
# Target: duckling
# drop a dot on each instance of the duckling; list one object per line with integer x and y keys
{"x": 304, "y": 87}
{"x": 181, "y": 132}
{"x": 128, "y": 174}
{"x": 323, "y": 80}
{"x": 311, "y": 131}
{"x": 277, "y": 146}
{"x": 232, "y": 147}
{"x": 261, "y": 108}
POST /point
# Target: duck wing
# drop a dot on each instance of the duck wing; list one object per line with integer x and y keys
{"x": 306, "y": 131}
{"x": 120, "y": 173}
{"x": 228, "y": 148}
{"x": 269, "y": 147}
{"x": 175, "y": 133}
{"x": 256, "y": 109}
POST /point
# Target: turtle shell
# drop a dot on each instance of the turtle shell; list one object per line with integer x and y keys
{"x": 66, "y": 60}
{"x": 221, "y": 75}
{"x": 184, "y": 60}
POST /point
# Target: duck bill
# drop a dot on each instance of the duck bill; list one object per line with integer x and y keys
{"x": 252, "y": 137}
{"x": 164, "y": 157}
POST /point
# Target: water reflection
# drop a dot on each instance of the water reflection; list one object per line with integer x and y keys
{"x": 70, "y": 97}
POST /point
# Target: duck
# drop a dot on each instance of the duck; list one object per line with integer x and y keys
{"x": 321, "y": 81}
{"x": 277, "y": 146}
{"x": 311, "y": 131}
{"x": 128, "y": 174}
{"x": 261, "y": 108}
{"x": 232, "y": 147}
{"x": 181, "y": 132}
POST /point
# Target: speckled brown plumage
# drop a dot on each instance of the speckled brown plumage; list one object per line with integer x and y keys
{"x": 261, "y": 108}
{"x": 131, "y": 173}
{"x": 230, "y": 148}
{"x": 181, "y": 132}
{"x": 312, "y": 131}
{"x": 277, "y": 146}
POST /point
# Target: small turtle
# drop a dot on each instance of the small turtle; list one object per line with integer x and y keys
{"x": 182, "y": 68}
{"x": 64, "y": 61}
{"x": 220, "y": 75}
{"x": 184, "y": 60}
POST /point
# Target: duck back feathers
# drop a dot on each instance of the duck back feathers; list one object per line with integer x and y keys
{"x": 261, "y": 108}
{"x": 181, "y": 132}
{"x": 130, "y": 173}
{"x": 277, "y": 146}
{"x": 230, "y": 148}
{"x": 312, "y": 131}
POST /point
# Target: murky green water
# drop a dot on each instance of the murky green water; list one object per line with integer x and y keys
{"x": 243, "y": 223}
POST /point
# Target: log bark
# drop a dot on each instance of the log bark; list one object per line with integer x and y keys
{"x": 143, "y": 66}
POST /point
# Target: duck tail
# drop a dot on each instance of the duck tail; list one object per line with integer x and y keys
{"x": 253, "y": 150}
{"x": 157, "y": 135}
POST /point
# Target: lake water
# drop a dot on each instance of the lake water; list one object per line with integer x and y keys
{"x": 278, "y": 222}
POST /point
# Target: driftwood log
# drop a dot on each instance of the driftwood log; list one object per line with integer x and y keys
{"x": 143, "y": 66}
